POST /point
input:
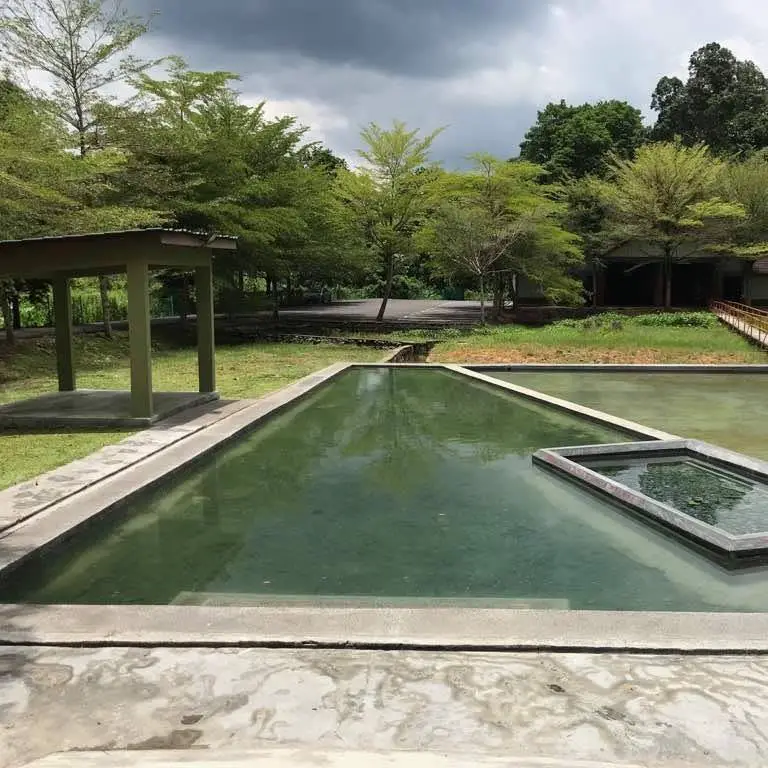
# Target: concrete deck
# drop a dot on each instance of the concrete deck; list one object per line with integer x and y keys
{"x": 647, "y": 710}
{"x": 282, "y": 757}
{"x": 94, "y": 408}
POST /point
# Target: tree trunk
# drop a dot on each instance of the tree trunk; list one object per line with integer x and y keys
{"x": 595, "y": 281}
{"x": 388, "y": 286}
{"x": 5, "y": 308}
{"x": 667, "y": 280}
{"x": 513, "y": 290}
{"x": 482, "y": 299}
{"x": 185, "y": 301}
{"x": 106, "y": 312}
{"x": 16, "y": 311}
{"x": 498, "y": 295}
{"x": 276, "y": 300}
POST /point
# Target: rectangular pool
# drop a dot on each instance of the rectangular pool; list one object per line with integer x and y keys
{"x": 727, "y": 409}
{"x": 396, "y": 484}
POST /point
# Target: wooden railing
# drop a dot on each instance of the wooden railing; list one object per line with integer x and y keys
{"x": 750, "y": 321}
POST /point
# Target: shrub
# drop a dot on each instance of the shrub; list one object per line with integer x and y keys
{"x": 678, "y": 320}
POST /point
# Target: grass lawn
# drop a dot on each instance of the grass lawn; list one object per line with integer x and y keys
{"x": 249, "y": 370}
{"x": 625, "y": 342}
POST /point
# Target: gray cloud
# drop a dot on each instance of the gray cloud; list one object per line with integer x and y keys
{"x": 423, "y": 37}
{"x": 481, "y": 67}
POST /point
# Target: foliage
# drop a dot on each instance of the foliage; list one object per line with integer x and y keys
{"x": 616, "y": 321}
{"x": 82, "y": 45}
{"x": 723, "y": 103}
{"x": 497, "y": 218}
{"x": 668, "y": 198}
{"x": 574, "y": 141}
{"x": 389, "y": 194}
{"x": 746, "y": 183}
{"x": 220, "y": 165}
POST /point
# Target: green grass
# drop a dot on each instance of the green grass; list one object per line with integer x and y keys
{"x": 614, "y": 341}
{"x": 249, "y": 370}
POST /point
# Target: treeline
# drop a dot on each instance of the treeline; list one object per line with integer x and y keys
{"x": 185, "y": 151}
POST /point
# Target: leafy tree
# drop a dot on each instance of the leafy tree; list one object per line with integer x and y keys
{"x": 390, "y": 193}
{"x": 587, "y": 217}
{"x": 44, "y": 189}
{"x": 669, "y": 197}
{"x": 723, "y": 103}
{"x": 574, "y": 141}
{"x": 747, "y": 183}
{"x": 82, "y": 45}
{"x": 498, "y": 218}
{"x": 219, "y": 165}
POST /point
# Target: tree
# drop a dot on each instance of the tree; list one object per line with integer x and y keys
{"x": 390, "y": 193}
{"x": 82, "y": 45}
{"x": 587, "y": 217}
{"x": 747, "y": 183}
{"x": 44, "y": 189}
{"x": 574, "y": 141}
{"x": 723, "y": 103}
{"x": 668, "y": 197}
{"x": 219, "y": 165}
{"x": 498, "y": 218}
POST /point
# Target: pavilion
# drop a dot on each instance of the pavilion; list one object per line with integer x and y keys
{"x": 136, "y": 253}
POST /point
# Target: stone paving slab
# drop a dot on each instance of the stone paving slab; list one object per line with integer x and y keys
{"x": 648, "y": 710}
{"x": 22, "y": 501}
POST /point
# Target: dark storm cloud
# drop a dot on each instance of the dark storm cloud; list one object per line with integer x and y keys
{"x": 406, "y": 37}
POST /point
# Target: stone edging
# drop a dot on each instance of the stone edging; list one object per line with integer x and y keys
{"x": 624, "y": 425}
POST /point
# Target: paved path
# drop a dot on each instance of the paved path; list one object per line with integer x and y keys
{"x": 711, "y": 711}
{"x": 397, "y": 310}
{"x": 406, "y": 311}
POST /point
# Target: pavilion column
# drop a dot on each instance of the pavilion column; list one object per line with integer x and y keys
{"x": 140, "y": 334}
{"x": 206, "y": 356}
{"x": 62, "y": 312}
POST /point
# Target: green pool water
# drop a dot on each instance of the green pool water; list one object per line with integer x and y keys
{"x": 396, "y": 484}
{"x": 723, "y": 500}
{"x": 727, "y": 409}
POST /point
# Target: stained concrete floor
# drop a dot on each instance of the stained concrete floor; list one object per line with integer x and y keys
{"x": 644, "y": 709}
{"x": 94, "y": 408}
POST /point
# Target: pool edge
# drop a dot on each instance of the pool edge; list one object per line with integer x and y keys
{"x": 466, "y": 629}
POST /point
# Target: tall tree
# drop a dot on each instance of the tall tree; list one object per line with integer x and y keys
{"x": 219, "y": 165}
{"x": 573, "y": 141}
{"x": 498, "y": 218}
{"x": 723, "y": 103}
{"x": 83, "y": 47}
{"x": 44, "y": 188}
{"x": 669, "y": 198}
{"x": 390, "y": 192}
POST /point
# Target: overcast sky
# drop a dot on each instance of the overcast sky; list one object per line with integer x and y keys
{"x": 480, "y": 67}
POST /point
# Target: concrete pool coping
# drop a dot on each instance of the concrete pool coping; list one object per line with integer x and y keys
{"x": 359, "y": 627}
{"x": 751, "y": 368}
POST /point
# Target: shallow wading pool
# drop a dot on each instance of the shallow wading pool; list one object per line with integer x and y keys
{"x": 388, "y": 485}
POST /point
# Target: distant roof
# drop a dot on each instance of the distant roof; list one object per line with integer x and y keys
{"x": 115, "y": 233}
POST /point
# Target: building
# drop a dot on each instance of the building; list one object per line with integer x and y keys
{"x": 632, "y": 275}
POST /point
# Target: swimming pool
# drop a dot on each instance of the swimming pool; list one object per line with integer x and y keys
{"x": 391, "y": 484}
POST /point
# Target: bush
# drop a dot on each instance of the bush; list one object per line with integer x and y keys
{"x": 678, "y": 320}
{"x": 613, "y": 321}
